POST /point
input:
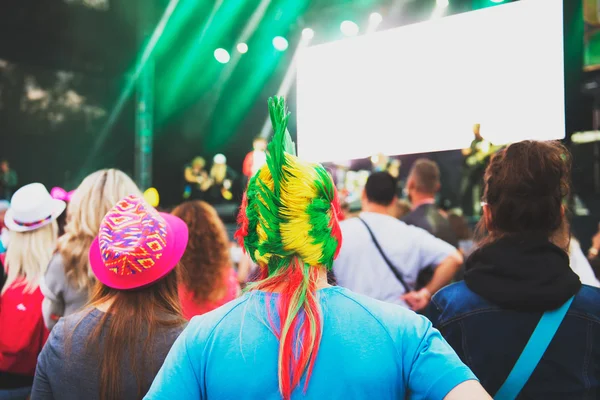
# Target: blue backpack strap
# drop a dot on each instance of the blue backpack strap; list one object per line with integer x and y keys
{"x": 533, "y": 352}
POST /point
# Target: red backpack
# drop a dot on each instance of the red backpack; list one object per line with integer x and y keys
{"x": 22, "y": 329}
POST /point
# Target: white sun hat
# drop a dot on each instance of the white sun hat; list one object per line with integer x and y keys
{"x": 32, "y": 207}
{"x": 220, "y": 159}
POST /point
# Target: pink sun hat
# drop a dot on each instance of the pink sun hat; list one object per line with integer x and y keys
{"x": 136, "y": 245}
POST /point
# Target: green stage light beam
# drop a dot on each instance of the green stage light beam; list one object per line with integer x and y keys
{"x": 130, "y": 85}
{"x": 241, "y": 101}
{"x": 181, "y": 15}
{"x": 246, "y": 34}
{"x": 288, "y": 78}
{"x": 254, "y": 21}
{"x": 223, "y": 15}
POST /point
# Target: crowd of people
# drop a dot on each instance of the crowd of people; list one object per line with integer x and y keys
{"x": 399, "y": 301}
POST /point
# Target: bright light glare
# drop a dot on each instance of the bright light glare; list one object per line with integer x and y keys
{"x": 349, "y": 28}
{"x": 222, "y": 56}
{"x": 280, "y": 43}
{"x": 428, "y": 99}
{"x": 308, "y": 33}
{"x": 242, "y": 48}
{"x": 442, "y": 3}
{"x": 375, "y": 18}
{"x": 497, "y": 1}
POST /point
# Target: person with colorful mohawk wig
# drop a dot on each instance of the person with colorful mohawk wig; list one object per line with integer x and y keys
{"x": 292, "y": 335}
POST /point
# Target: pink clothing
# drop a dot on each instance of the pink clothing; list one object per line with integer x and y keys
{"x": 191, "y": 308}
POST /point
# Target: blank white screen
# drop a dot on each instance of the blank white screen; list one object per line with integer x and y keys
{"x": 421, "y": 87}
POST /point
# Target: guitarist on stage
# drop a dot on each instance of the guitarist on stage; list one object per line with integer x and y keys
{"x": 476, "y": 159}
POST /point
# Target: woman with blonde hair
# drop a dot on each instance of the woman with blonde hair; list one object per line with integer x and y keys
{"x": 206, "y": 278}
{"x": 31, "y": 220}
{"x": 69, "y": 280}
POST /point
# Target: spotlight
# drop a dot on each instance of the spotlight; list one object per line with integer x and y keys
{"x": 349, "y": 28}
{"x": 375, "y": 18}
{"x": 280, "y": 43}
{"x": 308, "y": 33}
{"x": 242, "y": 48}
{"x": 443, "y": 3}
{"x": 222, "y": 56}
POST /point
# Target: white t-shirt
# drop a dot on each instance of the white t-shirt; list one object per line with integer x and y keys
{"x": 361, "y": 268}
{"x": 259, "y": 159}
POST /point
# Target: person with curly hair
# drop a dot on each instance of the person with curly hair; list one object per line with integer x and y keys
{"x": 206, "y": 277}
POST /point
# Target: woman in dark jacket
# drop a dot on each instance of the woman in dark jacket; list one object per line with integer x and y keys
{"x": 520, "y": 271}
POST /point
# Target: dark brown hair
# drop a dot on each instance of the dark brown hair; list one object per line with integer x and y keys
{"x": 426, "y": 175}
{"x": 132, "y": 316}
{"x": 207, "y": 253}
{"x": 525, "y": 188}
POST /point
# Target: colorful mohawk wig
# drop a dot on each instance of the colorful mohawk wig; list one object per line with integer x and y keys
{"x": 289, "y": 227}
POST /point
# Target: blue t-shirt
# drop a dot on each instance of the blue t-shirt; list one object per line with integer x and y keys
{"x": 369, "y": 350}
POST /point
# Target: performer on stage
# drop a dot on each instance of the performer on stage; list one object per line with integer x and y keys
{"x": 476, "y": 159}
{"x": 196, "y": 180}
{"x": 256, "y": 158}
{"x": 221, "y": 179}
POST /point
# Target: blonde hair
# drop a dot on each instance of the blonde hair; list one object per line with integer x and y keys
{"x": 95, "y": 196}
{"x": 218, "y": 172}
{"x": 198, "y": 161}
{"x": 28, "y": 256}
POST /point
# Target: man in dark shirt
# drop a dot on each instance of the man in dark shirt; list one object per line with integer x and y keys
{"x": 422, "y": 185}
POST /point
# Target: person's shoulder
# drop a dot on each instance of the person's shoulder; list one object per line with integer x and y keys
{"x": 379, "y": 221}
{"x": 350, "y": 228}
{"x": 457, "y": 299}
{"x": 416, "y": 218}
{"x": 349, "y": 223}
{"x": 449, "y": 293}
{"x": 203, "y": 326}
{"x": 81, "y": 319}
{"x": 587, "y": 303}
{"x": 74, "y": 327}
{"x": 416, "y": 229}
{"x": 391, "y": 317}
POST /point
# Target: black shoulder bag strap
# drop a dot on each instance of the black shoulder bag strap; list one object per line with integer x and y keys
{"x": 396, "y": 273}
